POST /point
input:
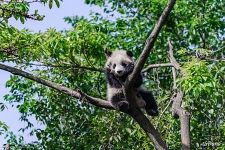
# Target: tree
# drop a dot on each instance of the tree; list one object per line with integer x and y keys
{"x": 75, "y": 58}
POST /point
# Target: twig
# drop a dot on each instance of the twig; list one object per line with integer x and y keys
{"x": 202, "y": 38}
{"x": 14, "y": 11}
{"x": 68, "y": 66}
{"x": 156, "y": 66}
{"x": 10, "y": 51}
{"x": 171, "y": 57}
{"x": 170, "y": 102}
{"x": 215, "y": 60}
{"x": 35, "y": 1}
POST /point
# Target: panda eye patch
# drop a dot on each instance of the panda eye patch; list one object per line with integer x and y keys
{"x": 114, "y": 66}
{"x": 124, "y": 64}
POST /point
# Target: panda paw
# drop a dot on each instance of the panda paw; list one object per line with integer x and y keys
{"x": 152, "y": 112}
{"x": 130, "y": 68}
{"x": 123, "y": 105}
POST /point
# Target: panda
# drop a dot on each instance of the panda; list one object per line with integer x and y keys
{"x": 118, "y": 66}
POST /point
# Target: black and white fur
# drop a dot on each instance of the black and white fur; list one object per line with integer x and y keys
{"x": 118, "y": 66}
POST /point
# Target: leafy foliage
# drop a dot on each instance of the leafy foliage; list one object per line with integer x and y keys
{"x": 75, "y": 57}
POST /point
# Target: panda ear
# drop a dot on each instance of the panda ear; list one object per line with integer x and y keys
{"x": 107, "y": 52}
{"x": 129, "y": 53}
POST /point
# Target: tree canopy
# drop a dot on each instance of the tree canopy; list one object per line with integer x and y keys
{"x": 75, "y": 59}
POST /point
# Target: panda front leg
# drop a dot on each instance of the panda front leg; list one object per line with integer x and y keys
{"x": 151, "y": 106}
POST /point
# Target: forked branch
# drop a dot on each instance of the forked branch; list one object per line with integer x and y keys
{"x": 146, "y": 125}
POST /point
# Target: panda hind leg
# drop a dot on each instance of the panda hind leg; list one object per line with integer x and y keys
{"x": 151, "y": 106}
{"x": 119, "y": 103}
{"x": 123, "y": 105}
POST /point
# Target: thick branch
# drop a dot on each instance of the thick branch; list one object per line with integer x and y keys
{"x": 149, "y": 43}
{"x": 76, "y": 94}
{"x": 177, "y": 101}
{"x": 184, "y": 120}
{"x": 128, "y": 90}
{"x": 149, "y": 129}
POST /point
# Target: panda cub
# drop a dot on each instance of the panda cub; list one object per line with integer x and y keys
{"x": 118, "y": 66}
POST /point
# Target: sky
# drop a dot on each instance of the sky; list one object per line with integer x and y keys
{"x": 53, "y": 19}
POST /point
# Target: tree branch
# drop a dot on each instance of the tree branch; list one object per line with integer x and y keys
{"x": 156, "y": 66}
{"x": 177, "y": 110}
{"x": 15, "y": 11}
{"x": 133, "y": 111}
{"x": 76, "y": 94}
{"x": 175, "y": 65}
{"x": 149, "y": 129}
{"x": 68, "y": 66}
{"x": 129, "y": 91}
{"x": 184, "y": 119}
{"x": 10, "y": 51}
{"x": 171, "y": 57}
{"x": 149, "y": 44}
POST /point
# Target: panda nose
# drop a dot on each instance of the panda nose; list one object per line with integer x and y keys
{"x": 119, "y": 72}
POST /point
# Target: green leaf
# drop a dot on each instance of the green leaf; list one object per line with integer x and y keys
{"x": 57, "y": 3}
{"x": 22, "y": 19}
{"x": 50, "y": 3}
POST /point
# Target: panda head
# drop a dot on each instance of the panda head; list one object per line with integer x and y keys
{"x": 118, "y": 62}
